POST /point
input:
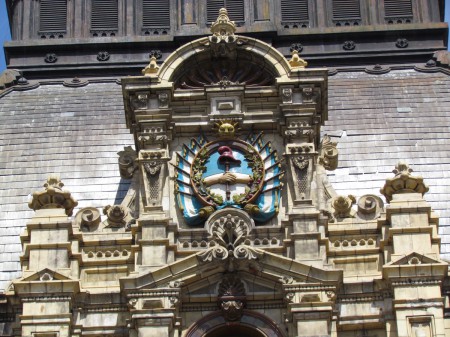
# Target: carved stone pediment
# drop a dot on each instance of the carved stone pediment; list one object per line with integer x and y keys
{"x": 44, "y": 275}
{"x": 414, "y": 259}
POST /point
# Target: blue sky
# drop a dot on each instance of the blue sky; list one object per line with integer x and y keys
{"x": 5, "y": 33}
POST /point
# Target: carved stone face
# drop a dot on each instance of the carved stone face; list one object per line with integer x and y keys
{"x": 227, "y": 130}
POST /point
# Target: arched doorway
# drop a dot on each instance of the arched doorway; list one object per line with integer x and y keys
{"x": 251, "y": 324}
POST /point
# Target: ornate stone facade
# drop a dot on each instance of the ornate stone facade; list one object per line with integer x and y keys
{"x": 191, "y": 252}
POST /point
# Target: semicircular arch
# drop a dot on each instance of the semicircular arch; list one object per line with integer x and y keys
{"x": 251, "y": 55}
{"x": 251, "y": 324}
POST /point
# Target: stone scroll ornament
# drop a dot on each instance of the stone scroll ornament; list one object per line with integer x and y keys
{"x": 228, "y": 172}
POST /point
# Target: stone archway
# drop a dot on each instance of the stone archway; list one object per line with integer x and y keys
{"x": 251, "y": 324}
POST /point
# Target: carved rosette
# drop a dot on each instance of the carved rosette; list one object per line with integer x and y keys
{"x": 88, "y": 218}
{"x": 53, "y": 196}
{"x": 369, "y": 207}
{"x": 231, "y": 297}
{"x": 403, "y": 182}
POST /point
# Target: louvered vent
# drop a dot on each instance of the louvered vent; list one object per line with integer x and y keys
{"x": 398, "y": 8}
{"x": 155, "y": 13}
{"x": 235, "y": 9}
{"x": 53, "y": 16}
{"x": 104, "y": 15}
{"x": 346, "y": 10}
{"x": 294, "y": 10}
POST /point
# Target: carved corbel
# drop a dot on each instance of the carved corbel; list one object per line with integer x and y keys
{"x": 300, "y": 162}
{"x": 153, "y": 135}
{"x": 153, "y": 169}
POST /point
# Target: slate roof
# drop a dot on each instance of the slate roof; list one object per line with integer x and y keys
{"x": 77, "y": 132}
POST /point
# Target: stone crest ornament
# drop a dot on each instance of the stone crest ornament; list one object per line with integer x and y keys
{"x": 156, "y": 53}
{"x": 403, "y": 182}
{"x": 228, "y": 172}
{"x": 401, "y": 43}
{"x": 231, "y": 297}
{"x": 223, "y": 41}
{"x": 349, "y": 45}
{"x": 53, "y": 196}
{"x": 103, "y": 56}
{"x": 51, "y": 58}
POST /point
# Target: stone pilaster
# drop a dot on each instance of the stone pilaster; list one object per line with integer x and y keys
{"x": 411, "y": 247}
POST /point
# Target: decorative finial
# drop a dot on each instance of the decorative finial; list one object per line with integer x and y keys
{"x": 152, "y": 67}
{"x": 296, "y": 62}
{"x": 53, "y": 196}
{"x": 403, "y": 182}
{"x": 223, "y": 25}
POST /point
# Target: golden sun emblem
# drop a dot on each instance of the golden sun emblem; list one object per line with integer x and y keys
{"x": 226, "y": 128}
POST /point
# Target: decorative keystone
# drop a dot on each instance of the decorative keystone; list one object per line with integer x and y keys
{"x": 296, "y": 62}
{"x": 53, "y": 197}
{"x": 403, "y": 182}
{"x": 223, "y": 25}
{"x": 152, "y": 67}
{"x": 223, "y": 41}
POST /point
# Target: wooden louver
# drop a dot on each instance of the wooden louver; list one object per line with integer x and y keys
{"x": 398, "y": 8}
{"x": 235, "y": 9}
{"x": 346, "y": 9}
{"x": 294, "y": 10}
{"x": 53, "y": 16}
{"x": 156, "y": 13}
{"x": 104, "y": 15}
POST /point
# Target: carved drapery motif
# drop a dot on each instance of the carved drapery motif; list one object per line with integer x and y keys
{"x": 53, "y": 196}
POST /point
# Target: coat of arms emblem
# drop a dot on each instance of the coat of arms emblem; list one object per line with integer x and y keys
{"x": 228, "y": 172}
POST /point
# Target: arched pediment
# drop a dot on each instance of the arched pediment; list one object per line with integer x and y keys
{"x": 195, "y": 64}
